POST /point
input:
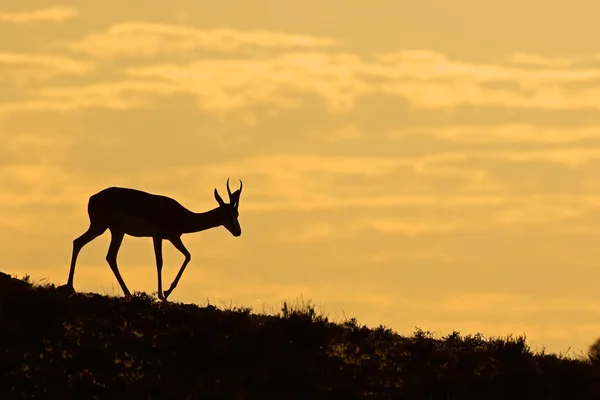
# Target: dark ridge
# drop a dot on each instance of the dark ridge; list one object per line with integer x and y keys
{"x": 62, "y": 345}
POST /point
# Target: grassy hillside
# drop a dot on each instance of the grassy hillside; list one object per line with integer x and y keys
{"x": 90, "y": 346}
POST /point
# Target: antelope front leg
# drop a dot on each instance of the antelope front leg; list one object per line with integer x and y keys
{"x": 179, "y": 246}
{"x": 159, "y": 265}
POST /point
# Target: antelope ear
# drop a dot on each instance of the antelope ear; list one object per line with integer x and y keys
{"x": 218, "y": 198}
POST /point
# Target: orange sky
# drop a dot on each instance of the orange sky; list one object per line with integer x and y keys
{"x": 432, "y": 164}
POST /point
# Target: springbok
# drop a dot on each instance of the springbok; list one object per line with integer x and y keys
{"x": 132, "y": 212}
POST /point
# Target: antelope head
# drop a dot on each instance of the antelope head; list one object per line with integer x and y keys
{"x": 230, "y": 210}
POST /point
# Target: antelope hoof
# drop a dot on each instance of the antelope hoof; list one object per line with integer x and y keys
{"x": 166, "y": 293}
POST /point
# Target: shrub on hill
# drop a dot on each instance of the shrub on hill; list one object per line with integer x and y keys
{"x": 65, "y": 345}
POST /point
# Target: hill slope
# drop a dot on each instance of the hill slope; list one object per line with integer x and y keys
{"x": 91, "y": 346}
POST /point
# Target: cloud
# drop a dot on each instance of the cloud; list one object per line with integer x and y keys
{"x": 23, "y": 69}
{"x": 279, "y": 170}
{"x": 35, "y": 183}
{"x": 408, "y": 227}
{"x": 295, "y": 189}
{"x": 230, "y": 85}
{"x": 512, "y": 303}
{"x": 127, "y": 95}
{"x": 225, "y": 85}
{"x": 304, "y": 181}
{"x": 312, "y": 232}
{"x": 113, "y": 95}
{"x": 144, "y": 39}
{"x": 427, "y": 65}
{"x": 26, "y": 146}
{"x": 50, "y": 14}
{"x": 231, "y": 72}
{"x": 514, "y": 133}
{"x": 53, "y": 62}
{"x": 536, "y": 213}
{"x": 539, "y": 61}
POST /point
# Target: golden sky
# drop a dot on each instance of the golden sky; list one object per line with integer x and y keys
{"x": 431, "y": 164}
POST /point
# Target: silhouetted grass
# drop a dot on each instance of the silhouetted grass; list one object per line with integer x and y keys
{"x": 88, "y": 346}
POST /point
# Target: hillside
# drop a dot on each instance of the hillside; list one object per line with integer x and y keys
{"x": 89, "y": 346}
